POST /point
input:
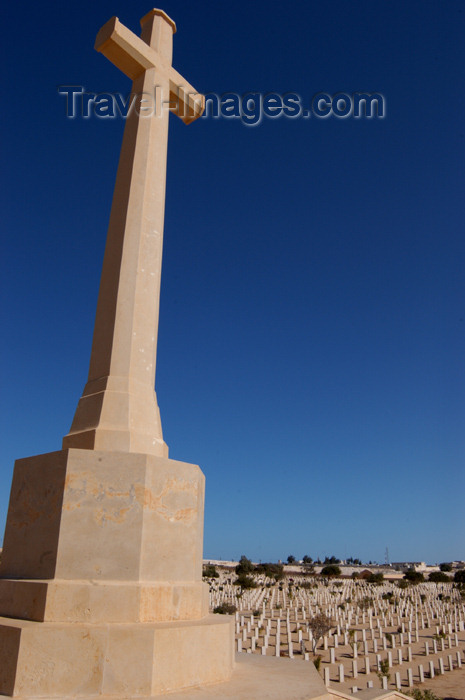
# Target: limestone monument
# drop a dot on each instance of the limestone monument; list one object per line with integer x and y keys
{"x": 101, "y": 587}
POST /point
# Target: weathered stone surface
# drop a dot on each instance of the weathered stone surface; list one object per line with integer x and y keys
{"x": 97, "y": 536}
{"x": 84, "y": 601}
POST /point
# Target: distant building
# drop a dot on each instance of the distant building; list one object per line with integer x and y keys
{"x": 419, "y": 566}
{"x": 458, "y": 565}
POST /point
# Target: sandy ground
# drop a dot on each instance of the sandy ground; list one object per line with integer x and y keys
{"x": 450, "y": 686}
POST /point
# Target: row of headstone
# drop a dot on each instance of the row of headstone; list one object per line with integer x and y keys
{"x": 396, "y": 632}
{"x": 443, "y": 665}
{"x": 279, "y": 598}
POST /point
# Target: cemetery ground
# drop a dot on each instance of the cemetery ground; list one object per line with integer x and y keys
{"x": 390, "y": 634}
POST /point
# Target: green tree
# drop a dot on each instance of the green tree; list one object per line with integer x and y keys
{"x": 439, "y": 577}
{"x": 355, "y": 562}
{"x": 459, "y": 576}
{"x": 332, "y": 560}
{"x": 319, "y": 625}
{"x": 308, "y": 567}
{"x": 375, "y": 578}
{"x": 275, "y": 571}
{"x": 413, "y": 576}
{"x": 245, "y": 566}
{"x": 291, "y": 559}
{"x": 331, "y": 570}
{"x": 245, "y": 581}
{"x": 445, "y": 566}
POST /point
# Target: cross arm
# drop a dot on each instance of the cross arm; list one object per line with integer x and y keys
{"x": 133, "y": 56}
{"x": 123, "y": 48}
{"x": 185, "y": 102}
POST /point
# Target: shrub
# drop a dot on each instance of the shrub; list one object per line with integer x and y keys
{"x": 317, "y": 662}
{"x": 418, "y": 694}
{"x": 375, "y": 578}
{"x": 365, "y": 603}
{"x": 383, "y": 670}
{"x": 414, "y": 576}
{"x": 331, "y": 570}
{"x": 225, "y": 609}
{"x": 275, "y": 571}
{"x": 459, "y": 576}
{"x": 209, "y": 571}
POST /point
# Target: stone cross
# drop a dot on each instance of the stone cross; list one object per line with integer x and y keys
{"x": 101, "y": 591}
{"x": 118, "y": 410}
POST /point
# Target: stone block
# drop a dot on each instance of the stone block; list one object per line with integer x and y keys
{"x": 136, "y": 660}
{"x": 100, "y": 536}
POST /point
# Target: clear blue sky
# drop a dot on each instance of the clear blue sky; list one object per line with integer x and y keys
{"x": 312, "y": 333}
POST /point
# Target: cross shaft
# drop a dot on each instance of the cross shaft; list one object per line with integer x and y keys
{"x": 118, "y": 410}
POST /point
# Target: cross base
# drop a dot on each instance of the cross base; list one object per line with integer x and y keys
{"x": 101, "y": 588}
{"x": 53, "y": 660}
{"x": 102, "y": 517}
